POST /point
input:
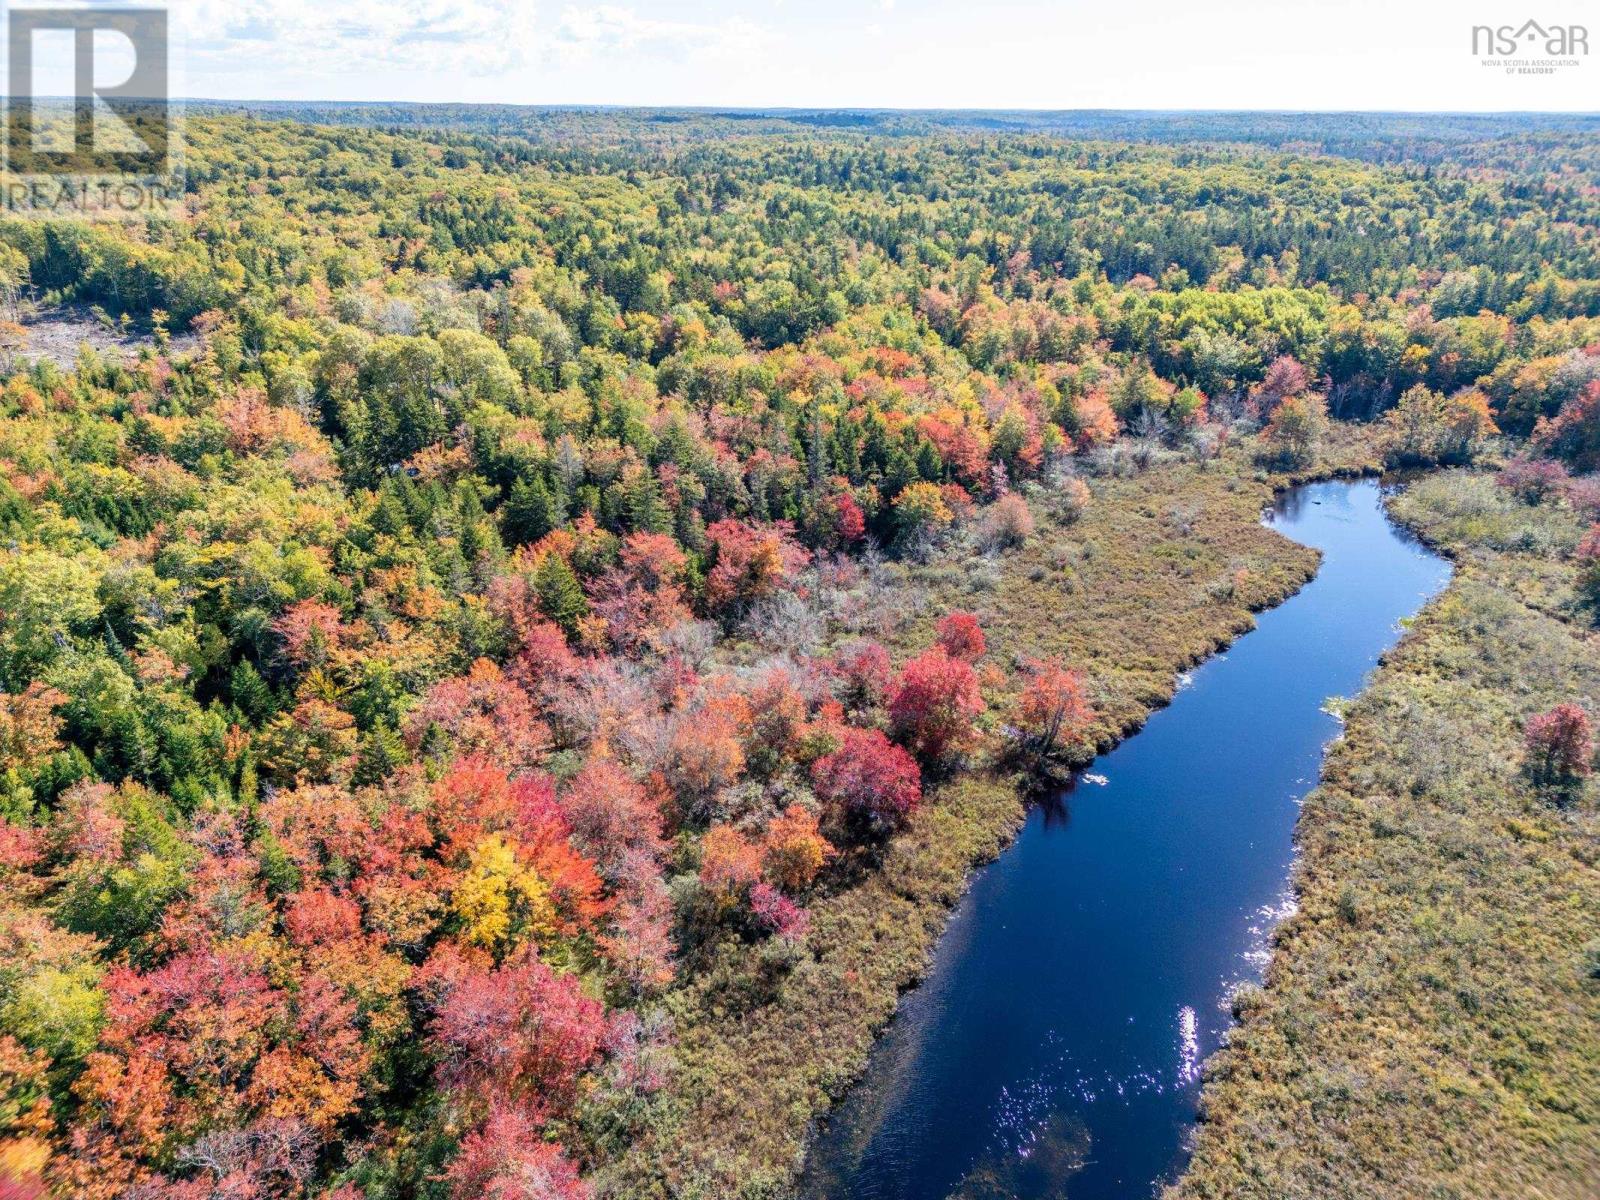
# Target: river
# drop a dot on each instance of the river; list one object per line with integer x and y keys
{"x": 1054, "y": 1049}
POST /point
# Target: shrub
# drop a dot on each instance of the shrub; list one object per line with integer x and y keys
{"x": 777, "y": 914}
{"x": 1532, "y": 479}
{"x": 1588, "y": 557}
{"x": 1051, "y": 713}
{"x": 1584, "y": 496}
{"x": 1296, "y": 428}
{"x": 507, "y": 1159}
{"x": 1285, "y": 378}
{"x": 921, "y": 514}
{"x": 1559, "y": 745}
{"x": 1007, "y": 523}
{"x": 864, "y": 674}
{"x": 870, "y": 780}
{"x": 793, "y": 851}
{"x": 1074, "y": 499}
{"x": 961, "y": 636}
{"x": 729, "y": 862}
{"x": 934, "y": 705}
{"x": 1427, "y": 427}
{"x": 1574, "y": 434}
{"x": 750, "y": 563}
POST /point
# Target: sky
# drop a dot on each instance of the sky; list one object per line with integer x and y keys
{"x": 1046, "y": 54}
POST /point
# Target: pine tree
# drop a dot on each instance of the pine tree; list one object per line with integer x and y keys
{"x": 381, "y": 753}
{"x": 900, "y": 471}
{"x": 389, "y": 516}
{"x": 560, "y": 597}
{"x": 815, "y": 446}
{"x": 480, "y": 545}
{"x": 847, "y": 451}
{"x": 377, "y": 437}
{"x": 250, "y": 693}
{"x": 876, "y": 450}
{"x": 646, "y": 511}
{"x": 529, "y": 512}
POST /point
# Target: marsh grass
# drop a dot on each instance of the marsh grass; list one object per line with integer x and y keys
{"x": 1127, "y": 591}
{"x": 1430, "y": 1027}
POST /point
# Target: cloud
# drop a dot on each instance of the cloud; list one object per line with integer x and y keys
{"x": 342, "y": 39}
{"x": 300, "y": 37}
{"x": 583, "y": 33}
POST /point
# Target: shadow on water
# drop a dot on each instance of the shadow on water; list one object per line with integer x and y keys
{"x": 1055, "y": 808}
{"x": 1054, "y": 1049}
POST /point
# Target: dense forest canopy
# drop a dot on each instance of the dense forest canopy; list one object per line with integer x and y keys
{"x": 1462, "y": 138}
{"x": 460, "y": 623}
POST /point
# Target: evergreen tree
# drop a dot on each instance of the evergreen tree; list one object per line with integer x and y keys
{"x": 529, "y": 512}
{"x": 900, "y": 471}
{"x": 250, "y": 693}
{"x": 645, "y": 509}
{"x": 560, "y": 597}
{"x": 389, "y": 516}
{"x": 847, "y": 450}
{"x": 480, "y": 545}
{"x": 382, "y": 751}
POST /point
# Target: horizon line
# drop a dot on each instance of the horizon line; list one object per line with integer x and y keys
{"x": 590, "y": 106}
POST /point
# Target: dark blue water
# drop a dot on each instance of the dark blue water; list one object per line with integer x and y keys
{"x": 1054, "y": 1049}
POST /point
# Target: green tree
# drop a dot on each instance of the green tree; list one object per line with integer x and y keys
{"x": 530, "y": 511}
{"x": 560, "y": 596}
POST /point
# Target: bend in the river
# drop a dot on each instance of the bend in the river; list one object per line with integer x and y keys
{"x": 1054, "y": 1049}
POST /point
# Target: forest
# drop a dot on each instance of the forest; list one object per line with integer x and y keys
{"x": 481, "y": 672}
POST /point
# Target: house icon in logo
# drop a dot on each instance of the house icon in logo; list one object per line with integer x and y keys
{"x": 1530, "y": 31}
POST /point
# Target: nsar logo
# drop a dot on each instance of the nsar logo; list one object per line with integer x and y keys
{"x": 1531, "y": 48}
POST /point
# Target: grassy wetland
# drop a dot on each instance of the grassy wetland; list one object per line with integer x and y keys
{"x": 1430, "y": 1023}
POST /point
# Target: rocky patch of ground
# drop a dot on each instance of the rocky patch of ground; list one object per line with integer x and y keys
{"x": 56, "y": 333}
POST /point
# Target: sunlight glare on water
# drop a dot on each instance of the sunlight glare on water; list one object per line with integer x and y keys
{"x": 1055, "y": 1049}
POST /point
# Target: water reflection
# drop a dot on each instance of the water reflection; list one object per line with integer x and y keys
{"x": 1053, "y": 1152}
{"x": 1055, "y": 1049}
{"x": 1055, "y": 808}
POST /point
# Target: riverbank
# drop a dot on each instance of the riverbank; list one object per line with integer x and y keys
{"x": 1430, "y": 1024}
{"x": 1161, "y": 570}
{"x": 1054, "y": 1048}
